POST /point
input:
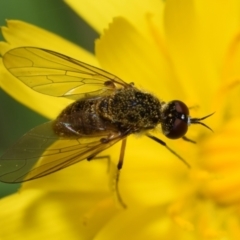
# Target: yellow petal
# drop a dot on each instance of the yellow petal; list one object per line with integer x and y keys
{"x": 52, "y": 215}
{"x": 125, "y": 52}
{"x": 231, "y": 70}
{"x": 18, "y": 33}
{"x": 150, "y": 223}
{"x": 217, "y": 24}
{"x": 100, "y": 13}
{"x": 221, "y": 158}
{"x": 197, "y": 44}
{"x": 228, "y": 95}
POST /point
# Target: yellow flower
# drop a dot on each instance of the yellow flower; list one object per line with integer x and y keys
{"x": 187, "y": 50}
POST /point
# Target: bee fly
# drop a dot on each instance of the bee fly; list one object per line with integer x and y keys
{"x": 106, "y": 110}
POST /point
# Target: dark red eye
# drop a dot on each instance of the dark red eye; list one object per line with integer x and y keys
{"x": 175, "y": 119}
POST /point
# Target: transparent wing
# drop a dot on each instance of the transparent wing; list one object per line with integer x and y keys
{"x": 55, "y": 74}
{"x": 41, "y": 152}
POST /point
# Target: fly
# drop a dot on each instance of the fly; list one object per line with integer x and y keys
{"x": 106, "y": 110}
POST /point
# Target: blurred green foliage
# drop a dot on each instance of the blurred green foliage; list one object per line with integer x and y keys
{"x": 55, "y": 16}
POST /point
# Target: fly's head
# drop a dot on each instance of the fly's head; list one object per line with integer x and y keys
{"x": 175, "y": 119}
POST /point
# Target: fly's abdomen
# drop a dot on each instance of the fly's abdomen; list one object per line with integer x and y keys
{"x": 80, "y": 119}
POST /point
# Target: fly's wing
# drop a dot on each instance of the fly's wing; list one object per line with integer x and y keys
{"x": 41, "y": 152}
{"x": 57, "y": 75}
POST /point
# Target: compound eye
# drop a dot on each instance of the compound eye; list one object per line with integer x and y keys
{"x": 178, "y": 130}
{"x": 176, "y": 120}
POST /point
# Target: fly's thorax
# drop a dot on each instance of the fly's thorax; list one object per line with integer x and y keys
{"x": 131, "y": 108}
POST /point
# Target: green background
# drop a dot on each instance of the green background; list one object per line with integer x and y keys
{"x": 55, "y": 16}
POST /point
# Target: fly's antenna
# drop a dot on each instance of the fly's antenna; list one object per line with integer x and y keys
{"x": 198, "y": 121}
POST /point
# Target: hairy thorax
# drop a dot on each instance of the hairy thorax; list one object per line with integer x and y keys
{"x": 131, "y": 108}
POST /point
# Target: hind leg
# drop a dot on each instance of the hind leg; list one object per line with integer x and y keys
{"x": 114, "y": 179}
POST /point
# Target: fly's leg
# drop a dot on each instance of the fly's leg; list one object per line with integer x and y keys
{"x": 94, "y": 157}
{"x": 188, "y": 140}
{"x": 115, "y": 176}
{"x": 116, "y": 189}
{"x": 115, "y": 184}
{"x": 122, "y": 152}
{"x": 169, "y": 149}
{"x": 119, "y": 167}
